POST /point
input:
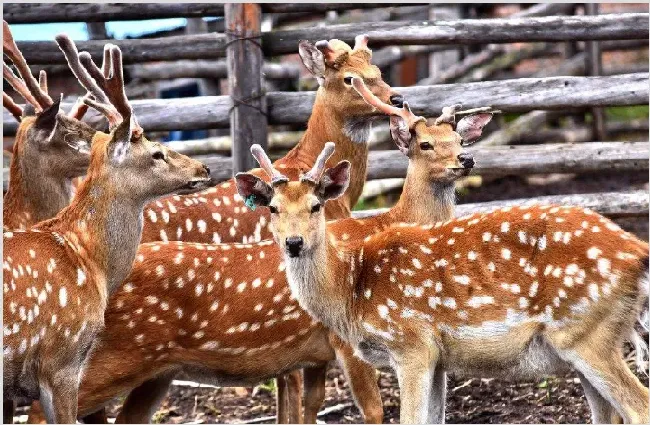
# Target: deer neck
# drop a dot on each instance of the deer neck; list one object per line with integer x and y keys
{"x": 351, "y": 138}
{"x": 33, "y": 194}
{"x": 105, "y": 227}
{"x": 424, "y": 201}
{"x": 320, "y": 281}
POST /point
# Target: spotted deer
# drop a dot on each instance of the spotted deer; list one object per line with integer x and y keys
{"x": 193, "y": 308}
{"x": 519, "y": 292}
{"x": 85, "y": 251}
{"x": 339, "y": 114}
{"x": 50, "y": 150}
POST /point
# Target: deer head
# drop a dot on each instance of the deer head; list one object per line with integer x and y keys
{"x": 436, "y": 150}
{"x": 48, "y": 142}
{"x": 334, "y": 64}
{"x": 297, "y": 213}
{"x": 129, "y": 163}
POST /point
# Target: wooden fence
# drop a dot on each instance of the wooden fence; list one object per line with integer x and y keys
{"x": 195, "y": 56}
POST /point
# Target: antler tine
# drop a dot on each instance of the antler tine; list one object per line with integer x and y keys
{"x": 361, "y": 41}
{"x": 80, "y": 107}
{"x": 42, "y": 80}
{"x": 19, "y": 86}
{"x": 11, "y": 50}
{"x": 266, "y": 164}
{"x": 73, "y": 58}
{"x": 11, "y": 106}
{"x": 316, "y": 172}
{"x": 405, "y": 113}
{"x": 448, "y": 114}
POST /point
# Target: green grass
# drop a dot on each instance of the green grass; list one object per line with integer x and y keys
{"x": 626, "y": 113}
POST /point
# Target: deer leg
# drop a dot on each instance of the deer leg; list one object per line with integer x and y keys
{"x": 281, "y": 400}
{"x": 8, "y": 412}
{"x": 314, "y": 381}
{"x": 143, "y": 401}
{"x": 415, "y": 372}
{"x": 438, "y": 396}
{"x": 362, "y": 379}
{"x": 294, "y": 397}
{"x": 613, "y": 380}
{"x": 602, "y": 412}
{"x": 59, "y": 398}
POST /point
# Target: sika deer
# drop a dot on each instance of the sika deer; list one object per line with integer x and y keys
{"x": 225, "y": 332}
{"x": 519, "y": 292}
{"x": 85, "y": 251}
{"x": 338, "y": 114}
{"x": 50, "y": 149}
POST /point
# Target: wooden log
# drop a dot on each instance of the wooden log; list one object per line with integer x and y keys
{"x": 248, "y": 123}
{"x": 531, "y": 159}
{"x": 556, "y": 93}
{"x": 31, "y": 13}
{"x": 470, "y": 31}
{"x": 612, "y": 204}
{"x": 576, "y": 134}
{"x": 204, "y": 69}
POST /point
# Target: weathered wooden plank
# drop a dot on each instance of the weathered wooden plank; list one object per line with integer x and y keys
{"x": 612, "y": 204}
{"x": 204, "y": 69}
{"x": 470, "y": 31}
{"x": 31, "y": 13}
{"x": 521, "y": 95}
{"x": 248, "y": 123}
{"x": 531, "y": 159}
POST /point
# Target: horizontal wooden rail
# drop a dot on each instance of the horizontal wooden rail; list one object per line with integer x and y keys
{"x": 531, "y": 159}
{"x": 204, "y": 69}
{"x": 521, "y": 95}
{"x": 612, "y": 204}
{"x": 624, "y": 26}
{"x": 32, "y": 13}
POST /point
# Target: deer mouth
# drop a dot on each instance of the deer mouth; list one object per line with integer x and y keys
{"x": 197, "y": 185}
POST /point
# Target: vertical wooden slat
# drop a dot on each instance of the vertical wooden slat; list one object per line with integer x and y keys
{"x": 248, "y": 123}
{"x": 594, "y": 67}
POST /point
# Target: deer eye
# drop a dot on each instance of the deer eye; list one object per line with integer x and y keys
{"x": 348, "y": 81}
{"x": 158, "y": 155}
{"x": 315, "y": 208}
{"x": 273, "y": 209}
{"x": 426, "y": 146}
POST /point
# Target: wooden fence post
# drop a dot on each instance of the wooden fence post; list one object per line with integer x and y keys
{"x": 248, "y": 122}
{"x": 595, "y": 68}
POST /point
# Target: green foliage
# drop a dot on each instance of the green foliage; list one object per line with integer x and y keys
{"x": 626, "y": 113}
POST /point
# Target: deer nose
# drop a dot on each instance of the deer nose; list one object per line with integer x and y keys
{"x": 466, "y": 159}
{"x": 294, "y": 246}
{"x": 397, "y": 100}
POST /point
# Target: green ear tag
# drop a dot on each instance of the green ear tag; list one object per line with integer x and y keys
{"x": 250, "y": 202}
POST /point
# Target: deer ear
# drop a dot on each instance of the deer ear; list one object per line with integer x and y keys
{"x": 401, "y": 134}
{"x": 470, "y": 128}
{"x": 47, "y": 120}
{"x": 120, "y": 144}
{"x": 255, "y": 191}
{"x": 334, "y": 182}
{"x": 312, "y": 58}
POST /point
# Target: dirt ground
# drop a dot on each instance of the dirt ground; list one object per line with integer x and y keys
{"x": 551, "y": 400}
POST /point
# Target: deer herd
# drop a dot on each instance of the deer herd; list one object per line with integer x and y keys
{"x": 153, "y": 271}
